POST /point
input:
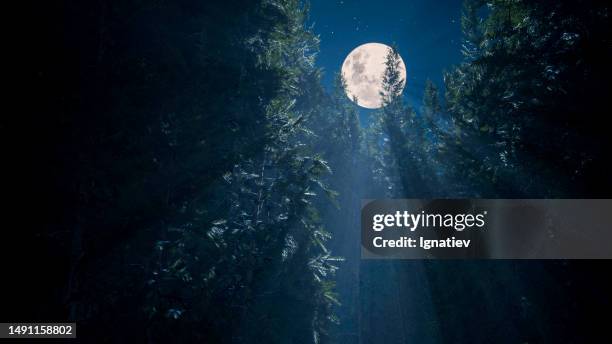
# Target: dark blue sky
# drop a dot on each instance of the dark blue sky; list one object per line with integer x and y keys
{"x": 427, "y": 32}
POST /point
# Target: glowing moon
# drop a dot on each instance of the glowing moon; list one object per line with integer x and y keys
{"x": 363, "y": 70}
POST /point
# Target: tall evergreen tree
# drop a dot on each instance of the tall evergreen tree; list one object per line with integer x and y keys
{"x": 184, "y": 174}
{"x": 393, "y": 137}
{"x": 512, "y": 92}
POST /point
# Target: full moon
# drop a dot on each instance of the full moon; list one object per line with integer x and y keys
{"x": 363, "y": 71}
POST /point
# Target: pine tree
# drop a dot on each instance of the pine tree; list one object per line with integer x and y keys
{"x": 513, "y": 90}
{"x": 392, "y": 137}
{"x": 188, "y": 175}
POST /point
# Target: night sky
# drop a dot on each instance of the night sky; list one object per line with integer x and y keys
{"x": 428, "y": 34}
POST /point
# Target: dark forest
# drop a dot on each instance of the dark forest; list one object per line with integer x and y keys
{"x": 178, "y": 173}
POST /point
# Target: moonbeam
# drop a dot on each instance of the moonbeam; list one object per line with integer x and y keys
{"x": 425, "y": 244}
